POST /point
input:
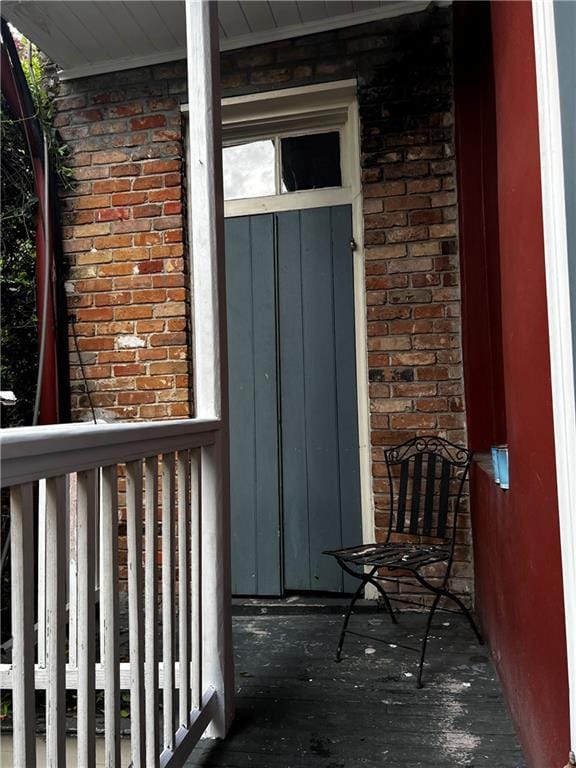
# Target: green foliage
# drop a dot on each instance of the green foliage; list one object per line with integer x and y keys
{"x": 18, "y": 330}
{"x": 43, "y": 89}
{"x": 5, "y": 706}
{"x": 125, "y": 704}
{"x": 18, "y": 320}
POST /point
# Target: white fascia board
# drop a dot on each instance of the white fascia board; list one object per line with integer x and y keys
{"x": 401, "y": 8}
{"x": 561, "y": 315}
{"x": 119, "y": 65}
{"x": 392, "y": 10}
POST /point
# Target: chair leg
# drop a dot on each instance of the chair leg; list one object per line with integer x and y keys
{"x": 425, "y": 640}
{"x": 347, "y": 619}
{"x": 468, "y": 615}
{"x": 386, "y": 599}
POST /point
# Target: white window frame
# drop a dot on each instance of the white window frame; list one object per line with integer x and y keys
{"x": 276, "y": 139}
{"x": 291, "y": 111}
{"x": 318, "y": 108}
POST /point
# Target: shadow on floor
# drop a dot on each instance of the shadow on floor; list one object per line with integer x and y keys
{"x": 298, "y": 708}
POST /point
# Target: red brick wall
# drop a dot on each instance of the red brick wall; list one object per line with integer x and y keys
{"x": 123, "y": 236}
{"x": 124, "y": 231}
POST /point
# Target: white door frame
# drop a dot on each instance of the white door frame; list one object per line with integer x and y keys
{"x": 560, "y": 318}
{"x": 301, "y": 110}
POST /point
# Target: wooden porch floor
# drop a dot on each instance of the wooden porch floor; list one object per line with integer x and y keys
{"x": 297, "y": 708}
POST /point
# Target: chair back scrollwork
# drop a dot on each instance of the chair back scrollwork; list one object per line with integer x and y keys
{"x": 426, "y": 479}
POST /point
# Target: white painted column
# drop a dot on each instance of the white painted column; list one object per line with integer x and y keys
{"x": 209, "y": 355}
{"x": 560, "y": 318}
{"x": 206, "y": 203}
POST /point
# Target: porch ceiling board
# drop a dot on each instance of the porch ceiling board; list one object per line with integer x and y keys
{"x": 88, "y": 38}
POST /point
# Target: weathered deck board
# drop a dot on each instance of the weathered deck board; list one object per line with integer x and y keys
{"x": 297, "y": 708}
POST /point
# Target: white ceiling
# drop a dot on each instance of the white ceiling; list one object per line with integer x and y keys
{"x": 89, "y": 37}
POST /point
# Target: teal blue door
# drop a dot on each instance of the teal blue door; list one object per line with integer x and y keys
{"x": 295, "y": 487}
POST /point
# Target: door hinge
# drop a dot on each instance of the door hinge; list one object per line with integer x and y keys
{"x": 353, "y": 245}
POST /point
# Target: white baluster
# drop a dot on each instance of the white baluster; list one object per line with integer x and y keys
{"x": 135, "y": 610}
{"x": 151, "y": 615}
{"x": 183, "y": 587}
{"x": 22, "y": 598}
{"x": 56, "y": 565}
{"x": 109, "y": 613}
{"x": 72, "y": 593}
{"x": 196, "y": 579}
{"x": 87, "y": 501}
{"x": 168, "y": 497}
{"x": 42, "y": 573}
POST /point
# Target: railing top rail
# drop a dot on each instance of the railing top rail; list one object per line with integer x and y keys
{"x": 33, "y": 453}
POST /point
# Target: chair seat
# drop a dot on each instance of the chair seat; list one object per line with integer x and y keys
{"x": 393, "y": 555}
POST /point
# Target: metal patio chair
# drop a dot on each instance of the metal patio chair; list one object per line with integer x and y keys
{"x": 426, "y": 478}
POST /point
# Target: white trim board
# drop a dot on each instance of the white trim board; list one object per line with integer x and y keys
{"x": 289, "y": 201}
{"x": 560, "y": 318}
{"x": 388, "y": 11}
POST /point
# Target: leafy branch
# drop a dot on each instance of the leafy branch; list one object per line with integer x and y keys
{"x": 18, "y": 317}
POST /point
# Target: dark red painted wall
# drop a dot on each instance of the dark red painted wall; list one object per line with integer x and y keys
{"x": 478, "y": 216}
{"x": 516, "y": 532}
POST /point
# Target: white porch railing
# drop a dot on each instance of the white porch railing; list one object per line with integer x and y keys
{"x": 167, "y": 477}
{"x": 170, "y": 647}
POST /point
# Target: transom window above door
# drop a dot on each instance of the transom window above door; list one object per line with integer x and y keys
{"x": 291, "y": 149}
{"x": 282, "y": 164}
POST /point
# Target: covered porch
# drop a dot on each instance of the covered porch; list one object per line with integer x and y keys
{"x": 142, "y": 509}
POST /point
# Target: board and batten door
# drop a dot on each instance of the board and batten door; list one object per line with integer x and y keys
{"x": 253, "y": 400}
{"x": 295, "y": 479}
